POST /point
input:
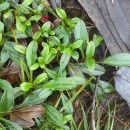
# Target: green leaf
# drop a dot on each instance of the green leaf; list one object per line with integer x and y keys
{"x": 75, "y": 20}
{"x": 7, "y": 14}
{"x": 53, "y": 50}
{"x": 51, "y": 73}
{"x": 75, "y": 70}
{"x": 40, "y": 7}
{"x": 61, "y": 13}
{"x": 14, "y": 55}
{"x": 34, "y": 67}
{"x": 37, "y": 35}
{"x": 23, "y": 9}
{"x": 5, "y": 85}
{"x": 97, "y": 40}
{"x": 98, "y": 70}
{"x": 53, "y": 115}
{"x": 20, "y": 48}
{"x": 27, "y": 2}
{"x": 31, "y": 53}
{"x": 46, "y": 26}
{"x": 64, "y": 61}
{"x": 106, "y": 87}
{"x": 75, "y": 55}
{"x": 69, "y": 109}
{"x": 22, "y": 18}
{"x": 91, "y": 64}
{"x": 50, "y": 57}
{"x": 78, "y": 80}
{"x": 80, "y": 31}
{"x": 120, "y": 59}
{"x": 19, "y": 25}
{"x": 4, "y": 6}
{"x": 40, "y": 78}
{"x": 13, "y": 125}
{"x": 36, "y": 97}
{"x": 55, "y": 40}
{"x": 1, "y": 26}
{"x": 4, "y": 56}
{"x": 7, "y": 102}
{"x": 61, "y": 84}
{"x": 90, "y": 49}
{"x": 76, "y": 44}
{"x": 26, "y": 86}
{"x": 41, "y": 60}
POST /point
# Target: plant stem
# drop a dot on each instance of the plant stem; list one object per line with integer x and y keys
{"x": 93, "y": 105}
{"x": 79, "y": 91}
{"x": 31, "y": 76}
{"x": 15, "y": 38}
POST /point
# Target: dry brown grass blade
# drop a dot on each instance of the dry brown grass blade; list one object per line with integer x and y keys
{"x": 24, "y": 116}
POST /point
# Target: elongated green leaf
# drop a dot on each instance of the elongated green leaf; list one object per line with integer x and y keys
{"x": 20, "y": 48}
{"x": 31, "y": 53}
{"x": 64, "y": 61}
{"x": 120, "y": 59}
{"x": 75, "y": 71}
{"x": 4, "y": 56}
{"x": 61, "y": 13}
{"x": 27, "y": 2}
{"x": 37, "y": 35}
{"x": 61, "y": 84}
{"x": 53, "y": 115}
{"x": 13, "y": 125}
{"x": 75, "y": 55}
{"x": 34, "y": 67}
{"x": 80, "y": 31}
{"x": 7, "y": 102}
{"x": 69, "y": 109}
{"x": 46, "y": 26}
{"x": 90, "y": 49}
{"x": 4, "y": 6}
{"x": 98, "y": 70}
{"x": 78, "y": 80}
{"x": 15, "y": 56}
{"x": 36, "y": 97}
{"x": 77, "y": 44}
{"x": 23, "y": 9}
{"x": 55, "y": 40}
{"x": 40, "y": 78}
{"x": 86, "y": 126}
{"x": 51, "y": 73}
{"x": 19, "y": 25}
{"x": 5, "y": 85}
{"x": 7, "y": 14}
